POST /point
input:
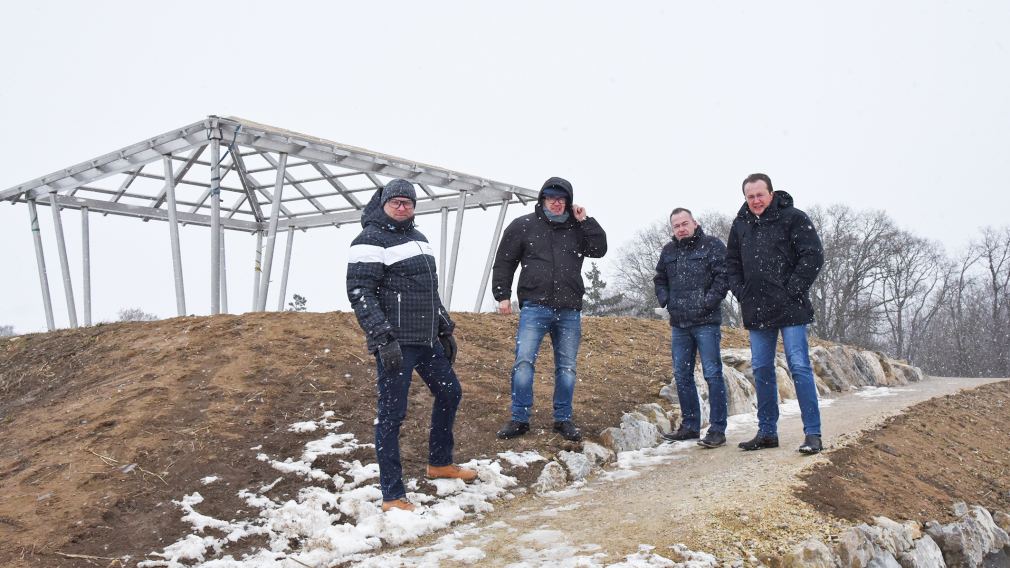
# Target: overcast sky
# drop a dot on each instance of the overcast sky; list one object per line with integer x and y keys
{"x": 900, "y": 106}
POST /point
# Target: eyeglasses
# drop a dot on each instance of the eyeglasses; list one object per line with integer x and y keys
{"x": 401, "y": 203}
{"x": 555, "y": 199}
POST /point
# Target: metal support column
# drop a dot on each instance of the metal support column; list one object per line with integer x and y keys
{"x": 224, "y": 277}
{"x": 490, "y": 254}
{"x": 441, "y": 252}
{"x": 215, "y": 225}
{"x": 257, "y": 271}
{"x": 173, "y": 232}
{"x": 287, "y": 267}
{"x": 68, "y": 287}
{"x": 272, "y": 233}
{"x": 40, "y": 260}
{"x": 86, "y": 256}
{"x": 447, "y": 300}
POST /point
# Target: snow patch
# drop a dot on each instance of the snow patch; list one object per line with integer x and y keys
{"x": 876, "y": 392}
{"x": 523, "y": 459}
{"x": 338, "y": 518}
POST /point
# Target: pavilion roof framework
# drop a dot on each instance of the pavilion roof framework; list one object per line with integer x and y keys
{"x": 235, "y": 174}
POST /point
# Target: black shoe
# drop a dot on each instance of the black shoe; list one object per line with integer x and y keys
{"x": 682, "y": 434}
{"x": 811, "y": 445}
{"x": 713, "y": 440}
{"x": 760, "y": 442}
{"x": 513, "y": 430}
{"x": 568, "y": 430}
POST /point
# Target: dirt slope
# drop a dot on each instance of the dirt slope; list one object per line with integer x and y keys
{"x": 102, "y": 427}
{"x": 949, "y": 449}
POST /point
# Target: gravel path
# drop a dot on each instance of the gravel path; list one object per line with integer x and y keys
{"x": 723, "y": 501}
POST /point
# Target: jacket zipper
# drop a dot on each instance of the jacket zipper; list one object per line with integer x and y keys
{"x": 398, "y": 324}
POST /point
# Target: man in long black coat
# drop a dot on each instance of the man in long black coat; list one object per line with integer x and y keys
{"x": 773, "y": 257}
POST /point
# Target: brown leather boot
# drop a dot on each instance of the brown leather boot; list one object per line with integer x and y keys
{"x": 397, "y": 504}
{"x": 451, "y": 471}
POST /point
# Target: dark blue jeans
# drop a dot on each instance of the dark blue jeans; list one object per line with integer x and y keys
{"x": 762, "y": 350}
{"x": 434, "y": 369}
{"x": 703, "y": 339}
{"x": 565, "y": 327}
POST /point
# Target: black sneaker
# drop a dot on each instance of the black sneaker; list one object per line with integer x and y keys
{"x": 811, "y": 445}
{"x": 513, "y": 430}
{"x": 713, "y": 440}
{"x": 760, "y": 442}
{"x": 682, "y": 434}
{"x": 568, "y": 430}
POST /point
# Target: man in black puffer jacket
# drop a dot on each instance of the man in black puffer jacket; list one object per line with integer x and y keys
{"x": 551, "y": 244}
{"x": 691, "y": 284}
{"x": 773, "y": 257}
{"x": 393, "y": 288}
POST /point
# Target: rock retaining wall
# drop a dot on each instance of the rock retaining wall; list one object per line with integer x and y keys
{"x": 976, "y": 539}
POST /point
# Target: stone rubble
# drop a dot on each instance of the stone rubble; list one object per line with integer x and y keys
{"x": 975, "y": 540}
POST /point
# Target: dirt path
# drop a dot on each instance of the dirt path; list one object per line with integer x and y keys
{"x": 720, "y": 501}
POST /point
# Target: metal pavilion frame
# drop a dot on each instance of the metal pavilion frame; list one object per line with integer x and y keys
{"x": 206, "y": 174}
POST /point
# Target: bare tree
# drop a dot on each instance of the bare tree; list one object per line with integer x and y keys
{"x": 994, "y": 253}
{"x": 6, "y": 330}
{"x": 914, "y": 271}
{"x": 636, "y": 267}
{"x": 716, "y": 224}
{"x": 856, "y": 246}
{"x": 135, "y": 314}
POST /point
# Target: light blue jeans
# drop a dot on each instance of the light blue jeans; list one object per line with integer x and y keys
{"x": 762, "y": 350}
{"x": 565, "y": 327}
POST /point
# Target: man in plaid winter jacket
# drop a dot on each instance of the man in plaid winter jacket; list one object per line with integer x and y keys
{"x": 393, "y": 288}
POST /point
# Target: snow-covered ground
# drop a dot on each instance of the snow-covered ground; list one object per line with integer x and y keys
{"x": 338, "y": 517}
{"x": 877, "y": 392}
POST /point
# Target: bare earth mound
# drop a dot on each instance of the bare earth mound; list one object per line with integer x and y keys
{"x": 104, "y": 426}
{"x": 915, "y": 465}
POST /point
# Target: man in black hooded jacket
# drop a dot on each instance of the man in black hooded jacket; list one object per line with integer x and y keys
{"x": 393, "y": 288}
{"x": 773, "y": 256}
{"x": 551, "y": 244}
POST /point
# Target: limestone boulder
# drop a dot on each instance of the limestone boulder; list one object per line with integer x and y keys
{"x": 739, "y": 359}
{"x": 923, "y": 554}
{"x": 1002, "y": 520}
{"x": 894, "y": 537}
{"x": 844, "y": 360}
{"x": 783, "y": 379}
{"x": 654, "y": 413}
{"x": 810, "y": 553}
{"x": 552, "y": 478}
{"x": 905, "y": 373}
{"x": 577, "y": 464}
{"x": 868, "y": 364}
{"x": 967, "y": 541}
{"x": 857, "y": 548}
{"x": 596, "y": 454}
{"x": 669, "y": 392}
{"x": 740, "y": 395}
{"x": 635, "y": 432}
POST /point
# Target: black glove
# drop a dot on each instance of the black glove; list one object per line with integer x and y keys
{"x": 391, "y": 356}
{"x": 449, "y": 346}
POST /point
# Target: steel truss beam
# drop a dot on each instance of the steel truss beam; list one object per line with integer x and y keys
{"x": 101, "y": 184}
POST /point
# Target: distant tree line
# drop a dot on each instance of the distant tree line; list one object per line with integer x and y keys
{"x": 881, "y": 287}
